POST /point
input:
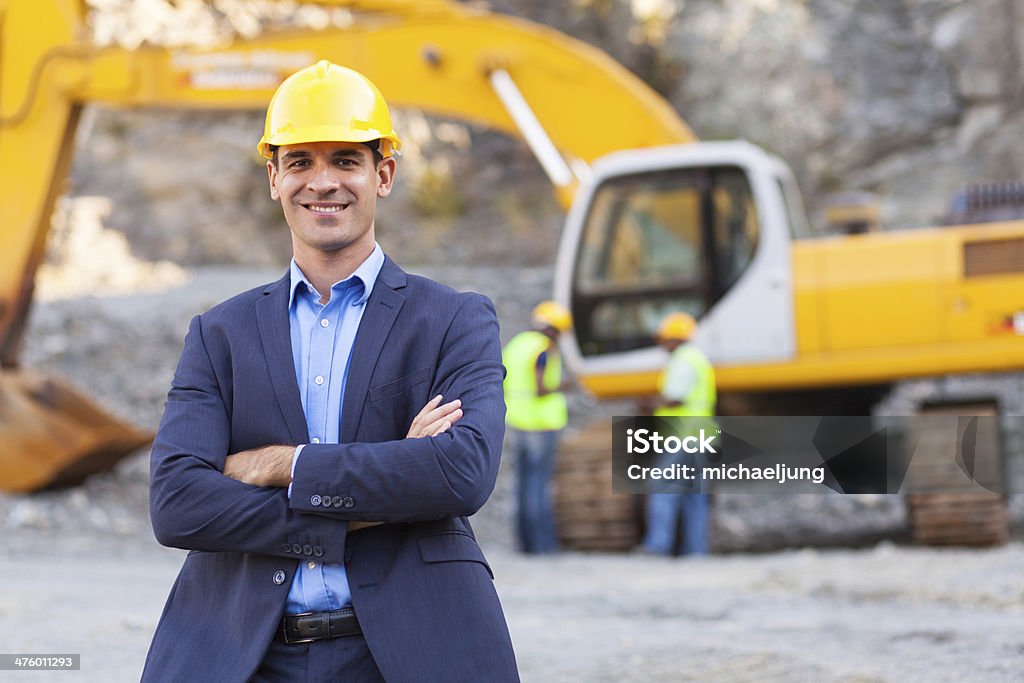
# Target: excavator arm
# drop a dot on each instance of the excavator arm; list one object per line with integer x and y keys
{"x": 445, "y": 58}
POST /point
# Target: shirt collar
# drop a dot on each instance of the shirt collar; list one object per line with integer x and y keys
{"x": 366, "y": 273}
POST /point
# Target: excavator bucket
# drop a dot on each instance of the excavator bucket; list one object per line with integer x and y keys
{"x": 51, "y": 436}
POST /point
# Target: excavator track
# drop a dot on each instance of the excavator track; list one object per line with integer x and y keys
{"x": 588, "y": 514}
{"x": 943, "y": 506}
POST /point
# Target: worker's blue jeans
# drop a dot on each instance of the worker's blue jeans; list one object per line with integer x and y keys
{"x": 535, "y": 518}
{"x": 664, "y": 510}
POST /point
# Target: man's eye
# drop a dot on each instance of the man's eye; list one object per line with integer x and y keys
{"x": 299, "y": 163}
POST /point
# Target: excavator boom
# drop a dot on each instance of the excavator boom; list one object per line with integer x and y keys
{"x": 445, "y": 58}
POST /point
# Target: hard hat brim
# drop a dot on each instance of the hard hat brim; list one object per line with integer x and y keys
{"x": 326, "y": 134}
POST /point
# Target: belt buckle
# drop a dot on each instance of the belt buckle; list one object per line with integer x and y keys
{"x": 284, "y": 629}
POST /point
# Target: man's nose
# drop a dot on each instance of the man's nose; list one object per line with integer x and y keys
{"x": 324, "y": 180}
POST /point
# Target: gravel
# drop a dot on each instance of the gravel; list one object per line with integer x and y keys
{"x": 885, "y": 614}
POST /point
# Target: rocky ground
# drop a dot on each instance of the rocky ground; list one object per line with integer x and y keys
{"x": 886, "y": 614}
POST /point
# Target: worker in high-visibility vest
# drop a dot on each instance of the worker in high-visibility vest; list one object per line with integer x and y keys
{"x": 537, "y": 412}
{"x": 686, "y": 389}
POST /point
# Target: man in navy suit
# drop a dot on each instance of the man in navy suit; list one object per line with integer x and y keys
{"x": 305, "y": 457}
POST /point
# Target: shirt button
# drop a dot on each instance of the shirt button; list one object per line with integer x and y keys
{"x": 325, "y": 323}
{"x": 311, "y": 565}
{"x": 319, "y": 379}
{"x": 316, "y": 439}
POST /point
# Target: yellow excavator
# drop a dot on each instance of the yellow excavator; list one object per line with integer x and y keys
{"x": 657, "y": 221}
{"x": 446, "y": 58}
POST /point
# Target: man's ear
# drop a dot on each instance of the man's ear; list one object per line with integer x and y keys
{"x": 385, "y": 176}
{"x": 272, "y": 177}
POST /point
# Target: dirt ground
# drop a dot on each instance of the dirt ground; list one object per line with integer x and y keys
{"x": 883, "y": 614}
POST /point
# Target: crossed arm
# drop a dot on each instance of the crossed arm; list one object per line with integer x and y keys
{"x": 195, "y": 506}
{"x": 272, "y": 465}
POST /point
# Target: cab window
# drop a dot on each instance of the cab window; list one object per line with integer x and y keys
{"x": 659, "y": 242}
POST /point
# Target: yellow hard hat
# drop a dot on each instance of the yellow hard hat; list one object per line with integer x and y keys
{"x": 328, "y": 103}
{"x": 553, "y": 314}
{"x": 679, "y": 326}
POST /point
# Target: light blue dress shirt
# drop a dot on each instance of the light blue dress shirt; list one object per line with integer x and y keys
{"x": 322, "y": 338}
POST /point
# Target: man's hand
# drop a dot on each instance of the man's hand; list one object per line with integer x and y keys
{"x": 266, "y": 466}
{"x": 435, "y": 419}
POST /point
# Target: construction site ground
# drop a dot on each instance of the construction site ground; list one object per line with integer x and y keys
{"x": 887, "y": 613}
{"x": 84, "y": 575}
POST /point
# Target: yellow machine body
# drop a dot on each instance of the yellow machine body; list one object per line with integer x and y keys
{"x": 872, "y": 309}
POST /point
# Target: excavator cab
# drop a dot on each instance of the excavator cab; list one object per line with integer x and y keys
{"x": 704, "y": 229}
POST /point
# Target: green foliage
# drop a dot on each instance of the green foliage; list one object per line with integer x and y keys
{"x": 436, "y": 195}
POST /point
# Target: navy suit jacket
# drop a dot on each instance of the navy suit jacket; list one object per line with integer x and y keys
{"x": 420, "y": 585}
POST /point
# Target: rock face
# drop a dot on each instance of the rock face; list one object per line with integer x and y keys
{"x": 910, "y": 99}
{"x": 189, "y": 188}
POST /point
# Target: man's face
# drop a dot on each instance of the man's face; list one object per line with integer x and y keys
{"x": 670, "y": 345}
{"x": 550, "y": 331}
{"x": 329, "y": 192}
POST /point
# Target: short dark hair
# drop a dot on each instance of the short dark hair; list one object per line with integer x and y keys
{"x": 374, "y": 146}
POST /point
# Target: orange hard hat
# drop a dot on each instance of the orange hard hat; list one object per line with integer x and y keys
{"x": 679, "y": 326}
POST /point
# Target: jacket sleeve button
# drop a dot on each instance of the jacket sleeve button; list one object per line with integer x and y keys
{"x": 279, "y": 577}
{"x": 307, "y": 549}
{"x": 318, "y": 551}
{"x": 348, "y": 501}
{"x": 314, "y": 501}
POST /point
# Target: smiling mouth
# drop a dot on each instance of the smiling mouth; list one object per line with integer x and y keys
{"x": 324, "y": 209}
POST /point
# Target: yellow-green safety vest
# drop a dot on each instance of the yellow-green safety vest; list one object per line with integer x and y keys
{"x": 703, "y": 395}
{"x": 525, "y": 409}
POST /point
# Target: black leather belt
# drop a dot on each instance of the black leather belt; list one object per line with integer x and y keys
{"x": 312, "y": 626}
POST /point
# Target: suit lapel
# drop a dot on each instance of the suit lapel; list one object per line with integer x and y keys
{"x": 275, "y": 333}
{"x": 381, "y": 311}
